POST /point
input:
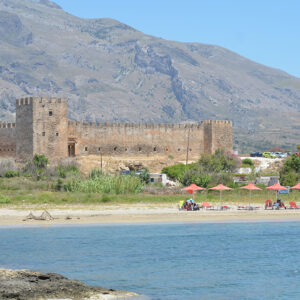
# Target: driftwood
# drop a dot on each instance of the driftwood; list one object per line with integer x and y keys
{"x": 45, "y": 216}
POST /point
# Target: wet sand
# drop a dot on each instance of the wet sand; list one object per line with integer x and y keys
{"x": 137, "y": 213}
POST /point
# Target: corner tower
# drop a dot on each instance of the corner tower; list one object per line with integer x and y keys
{"x": 41, "y": 127}
{"x": 217, "y": 135}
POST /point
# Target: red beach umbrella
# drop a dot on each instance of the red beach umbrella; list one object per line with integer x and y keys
{"x": 296, "y": 187}
{"x": 277, "y": 187}
{"x": 192, "y": 188}
{"x": 251, "y": 187}
{"x": 220, "y": 187}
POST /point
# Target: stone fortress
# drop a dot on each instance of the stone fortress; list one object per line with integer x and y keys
{"x": 42, "y": 127}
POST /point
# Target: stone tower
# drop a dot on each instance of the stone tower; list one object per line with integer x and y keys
{"x": 217, "y": 135}
{"x": 41, "y": 127}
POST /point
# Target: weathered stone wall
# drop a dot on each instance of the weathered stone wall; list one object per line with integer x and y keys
{"x": 136, "y": 139}
{"x": 24, "y": 127}
{"x": 50, "y": 125}
{"x": 7, "y": 139}
{"x": 217, "y": 135}
{"x": 42, "y": 127}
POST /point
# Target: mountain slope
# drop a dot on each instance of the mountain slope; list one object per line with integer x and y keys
{"x": 112, "y": 72}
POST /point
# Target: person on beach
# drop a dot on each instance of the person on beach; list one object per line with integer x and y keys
{"x": 278, "y": 204}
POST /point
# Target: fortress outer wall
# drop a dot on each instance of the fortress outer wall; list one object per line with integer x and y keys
{"x": 7, "y": 139}
{"x": 136, "y": 139}
{"x": 42, "y": 127}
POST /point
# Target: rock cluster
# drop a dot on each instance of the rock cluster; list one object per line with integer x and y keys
{"x": 28, "y": 285}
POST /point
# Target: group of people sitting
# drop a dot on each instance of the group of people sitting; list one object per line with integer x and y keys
{"x": 191, "y": 205}
{"x": 188, "y": 205}
{"x": 276, "y": 205}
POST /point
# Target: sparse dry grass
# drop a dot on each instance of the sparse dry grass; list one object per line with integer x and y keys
{"x": 19, "y": 191}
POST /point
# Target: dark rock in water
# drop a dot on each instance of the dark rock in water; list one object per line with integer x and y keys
{"x": 28, "y": 285}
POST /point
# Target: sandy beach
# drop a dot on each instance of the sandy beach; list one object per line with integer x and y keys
{"x": 137, "y": 213}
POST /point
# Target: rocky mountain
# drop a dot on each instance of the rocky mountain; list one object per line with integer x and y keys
{"x": 112, "y": 72}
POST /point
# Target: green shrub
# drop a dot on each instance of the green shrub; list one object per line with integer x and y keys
{"x": 290, "y": 171}
{"x": 207, "y": 171}
{"x": 145, "y": 176}
{"x": 4, "y": 200}
{"x": 106, "y": 184}
{"x": 10, "y": 174}
{"x": 36, "y": 167}
{"x": 105, "y": 198}
{"x": 290, "y": 178}
{"x": 193, "y": 176}
{"x": 40, "y": 161}
{"x": 7, "y": 164}
{"x": 59, "y": 185}
{"x": 175, "y": 172}
{"x": 95, "y": 173}
{"x": 63, "y": 170}
{"x": 247, "y": 162}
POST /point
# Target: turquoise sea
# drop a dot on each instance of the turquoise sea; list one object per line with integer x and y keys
{"x": 176, "y": 261}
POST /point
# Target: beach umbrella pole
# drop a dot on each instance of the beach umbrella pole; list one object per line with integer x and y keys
{"x": 250, "y": 199}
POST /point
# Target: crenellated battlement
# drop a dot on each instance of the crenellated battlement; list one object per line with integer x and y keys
{"x": 7, "y": 125}
{"x": 216, "y": 122}
{"x": 41, "y": 100}
{"x": 24, "y": 101}
{"x": 134, "y": 125}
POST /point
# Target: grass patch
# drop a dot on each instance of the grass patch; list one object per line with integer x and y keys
{"x": 4, "y": 200}
{"x": 19, "y": 190}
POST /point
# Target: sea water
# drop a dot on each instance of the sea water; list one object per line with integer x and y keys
{"x": 176, "y": 261}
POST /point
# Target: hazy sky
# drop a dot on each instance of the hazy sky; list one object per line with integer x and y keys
{"x": 266, "y": 31}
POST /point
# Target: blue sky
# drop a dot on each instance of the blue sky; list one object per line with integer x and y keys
{"x": 266, "y": 31}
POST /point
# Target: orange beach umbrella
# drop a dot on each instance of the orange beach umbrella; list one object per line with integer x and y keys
{"x": 192, "y": 188}
{"x": 276, "y": 187}
{"x": 251, "y": 187}
{"x": 296, "y": 187}
{"x": 221, "y": 187}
